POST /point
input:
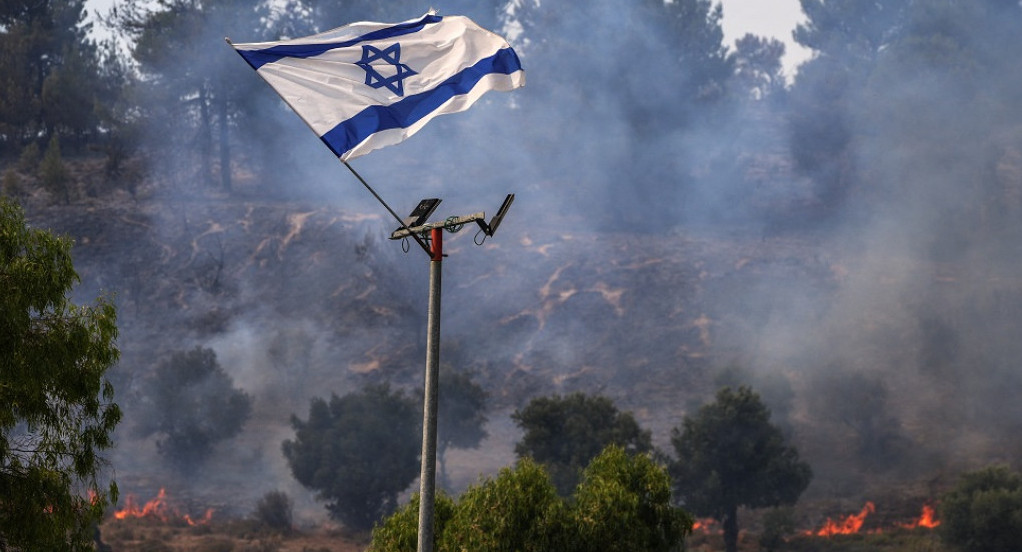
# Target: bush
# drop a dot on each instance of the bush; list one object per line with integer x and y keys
{"x": 275, "y": 511}
{"x": 400, "y": 531}
{"x": 983, "y": 513}
{"x": 622, "y": 504}
{"x": 518, "y": 511}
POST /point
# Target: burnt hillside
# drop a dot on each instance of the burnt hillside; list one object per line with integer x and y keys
{"x": 303, "y": 298}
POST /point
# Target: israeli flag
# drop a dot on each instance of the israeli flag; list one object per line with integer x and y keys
{"x": 368, "y": 85}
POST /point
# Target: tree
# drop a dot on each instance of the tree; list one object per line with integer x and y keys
{"x": 758, "y": 71}
{"x": 565, "y": 433}
{"x": 48, "y": 71}
{"x": 730, "y": 455}
{"x": 56, "y": 405}
{"x": 461, "y": 416}
{"x": 697, "y": 37}
{"x": 357, "y": 452}
{"x": 852, "y": 31}
{"x": 196, "y": 103}
{"x": 622, "y": 504}
{"x": 192, "y": 404}
{"x": 848, "y": 37}
{"x": 983, "y": 513}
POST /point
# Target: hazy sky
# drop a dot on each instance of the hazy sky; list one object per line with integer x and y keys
{"x": 773, "y": 18}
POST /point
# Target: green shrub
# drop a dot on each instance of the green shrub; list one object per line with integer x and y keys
{"x": 983, "y": 513}
{"x": 622, "y": 504}
{"x": 518, "y": 511}
{"x": 275, "y": 511}
{"x": 400, "y": 531}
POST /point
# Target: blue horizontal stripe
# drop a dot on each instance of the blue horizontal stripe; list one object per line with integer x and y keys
{"x": 411, "y": 109}
{"x": 258, "y": 58}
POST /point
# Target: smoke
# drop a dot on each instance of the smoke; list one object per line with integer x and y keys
{"x": 866, "y": 235}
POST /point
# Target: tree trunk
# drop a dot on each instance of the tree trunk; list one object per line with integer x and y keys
{"x": 731, "y": 529}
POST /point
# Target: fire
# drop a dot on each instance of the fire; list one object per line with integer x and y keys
{"x": 158, "y": 508}
{"x": 846, "y": 526}
{"x": 853, "y": 523}
{"x": 926, "y": 519}
{"x": 704, "y": 524}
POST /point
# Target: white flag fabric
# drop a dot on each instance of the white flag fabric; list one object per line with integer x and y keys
{"x": 367, "y": 85}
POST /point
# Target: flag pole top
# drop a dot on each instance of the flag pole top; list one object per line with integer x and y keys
{"x": 415, "y": 223}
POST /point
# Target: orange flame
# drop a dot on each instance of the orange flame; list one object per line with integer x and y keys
{"x": 926, "y": 519}
{"x": 846, "y": 526}
{"x": 703, "y": 524}
{"x": 159, "y": 509}
{"x": 201, "y": 521}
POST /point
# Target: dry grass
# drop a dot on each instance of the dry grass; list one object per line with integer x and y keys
{"x": 143, "y": 535}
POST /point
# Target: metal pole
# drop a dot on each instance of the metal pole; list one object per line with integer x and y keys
{"x": 427, "y": 477}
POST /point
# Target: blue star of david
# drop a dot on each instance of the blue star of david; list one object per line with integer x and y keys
{"x": 391, "y": 55}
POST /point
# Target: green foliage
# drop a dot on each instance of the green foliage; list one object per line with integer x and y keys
{"x": 47, "y": 71}
{"x": 357, "y": 452}
{"x": 399, "y": 531}
{"x": 729, "y": 455}
{"x": 53, "y": 173}
{"x": 518, "y": 511}
{"x": 622, "y": 504}
{"x": 565, "y": 433}
{"x": 983, "y": 513}
{"x": 56, "y": 406}
{"x": 275, "y": 511}
{"x": 191, "y": 404}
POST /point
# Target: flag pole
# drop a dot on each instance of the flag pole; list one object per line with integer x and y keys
{"x": 427, "y": 476}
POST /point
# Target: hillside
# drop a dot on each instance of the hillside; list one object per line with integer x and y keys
{"x": 301, "y": 298}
